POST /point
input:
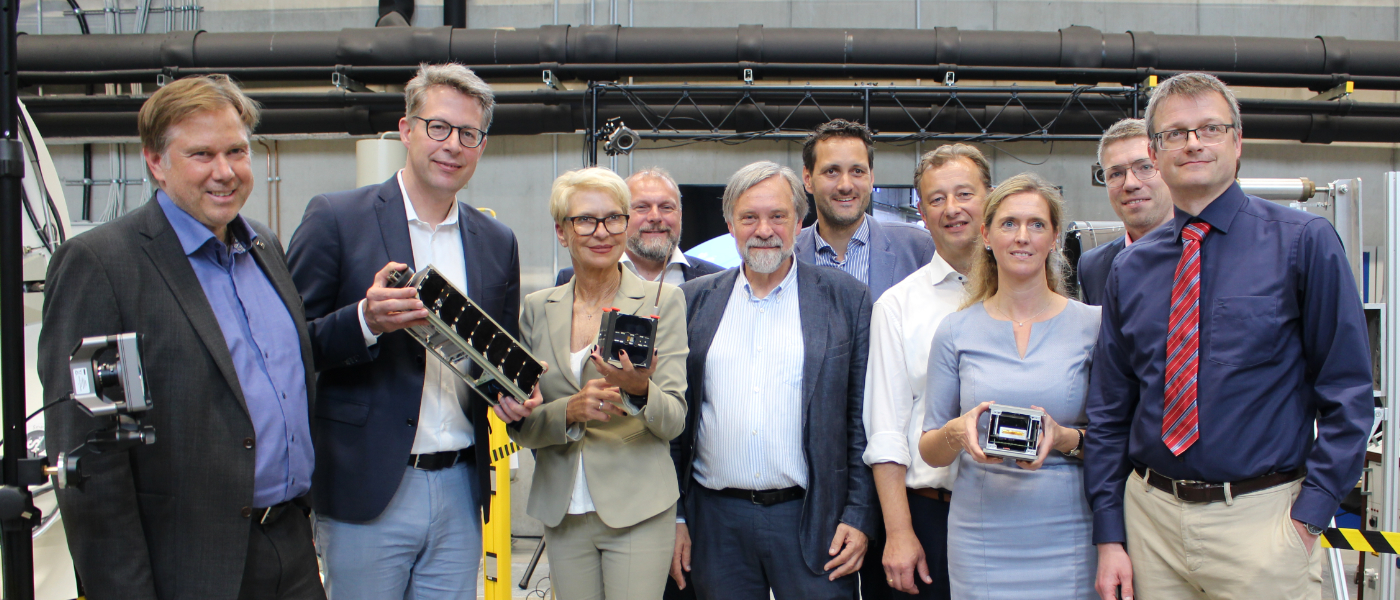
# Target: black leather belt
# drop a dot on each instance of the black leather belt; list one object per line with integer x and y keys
{"x": 438, "y": 461}
{"x": 264, "y": 516}
{"x": 939, "y": 494}
{"x": 1204, "y": 492}
{"x": 765, "y": 497}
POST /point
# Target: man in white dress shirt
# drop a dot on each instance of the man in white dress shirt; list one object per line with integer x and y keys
{"x": 953, "y": 182}
{"x": 401, "y": 485}
{"x": 775, "y": 498}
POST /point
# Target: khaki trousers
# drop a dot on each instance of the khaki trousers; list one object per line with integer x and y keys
{"x": 589, "y": 560}
{"x": 1244, "y": 550}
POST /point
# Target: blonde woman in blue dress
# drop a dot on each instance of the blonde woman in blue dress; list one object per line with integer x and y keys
{"x": 1015, "y": 530}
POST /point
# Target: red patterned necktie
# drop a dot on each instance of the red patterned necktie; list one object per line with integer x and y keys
{"x": 1179, "y": 422}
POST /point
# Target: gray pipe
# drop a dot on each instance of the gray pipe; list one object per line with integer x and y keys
{"x": 1292, "y": 189}
{"x": 1072, "y": 49}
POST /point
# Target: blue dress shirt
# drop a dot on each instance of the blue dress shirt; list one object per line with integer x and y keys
{"x": 1282, "y": 342}
{"x": 857, "y": 263}
{"x": 266, "y": 350}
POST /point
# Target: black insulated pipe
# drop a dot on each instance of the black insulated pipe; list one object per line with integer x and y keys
{"x": 403, "y": 7}
{"x": 454, "y": 13}
{"x": 1069, "y": 50}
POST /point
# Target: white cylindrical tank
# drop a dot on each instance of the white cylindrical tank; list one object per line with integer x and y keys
{"x": 378, "y": 159}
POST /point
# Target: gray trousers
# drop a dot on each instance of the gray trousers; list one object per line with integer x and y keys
{"x": 741, "y": 550}
{"x": 589, "y": 560}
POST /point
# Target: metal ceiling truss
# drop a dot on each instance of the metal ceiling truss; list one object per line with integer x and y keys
{"x": 898, "y": 114}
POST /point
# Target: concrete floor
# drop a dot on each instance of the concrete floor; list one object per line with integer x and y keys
{"x": 520, "y": 551}
{"x": 539, "y": 589}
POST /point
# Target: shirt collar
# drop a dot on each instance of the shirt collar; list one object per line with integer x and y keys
{"x": 677, "y": 258}
{"x": 786, "y": 283}
{"x": 862, "y": 235}
{"x": 192, "y": 234}
{"x": 1219, "y": 214}
{"x": 940, "y": 272}
{"x": 413, "y": 214}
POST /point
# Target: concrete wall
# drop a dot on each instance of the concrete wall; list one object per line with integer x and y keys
{"x": 516, "y": 172}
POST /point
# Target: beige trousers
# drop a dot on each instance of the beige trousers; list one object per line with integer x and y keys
{"x": 1245, "y": 550}
{"x": 589, "y": 560}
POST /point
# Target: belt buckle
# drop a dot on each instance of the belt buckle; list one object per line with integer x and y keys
{"x": 1187, "y": 483}
{"x": 753, "y": 497}
{"x": 416, "y": 459}
{"x": 266, "y": 512}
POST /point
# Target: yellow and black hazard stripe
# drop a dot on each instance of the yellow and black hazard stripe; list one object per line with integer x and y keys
{"x": 500, "y": 453}
{"x": 1376, "y": 542}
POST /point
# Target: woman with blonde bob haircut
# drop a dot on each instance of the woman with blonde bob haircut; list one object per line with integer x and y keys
{"x": 1017, "y": 530}
{"x": 604, "y": 483}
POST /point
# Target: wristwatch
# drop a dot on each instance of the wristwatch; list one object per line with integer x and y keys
{"x": 1078, "y": 448}
{"x": 638, "y": 401}
{"x": 1313, "y": 529}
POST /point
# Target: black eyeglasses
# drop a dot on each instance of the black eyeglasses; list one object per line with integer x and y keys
{"x": 586, "y": 226}
{"x": 439, "y": 130}
{"x": 1208, "y": 135}
{"x": 1142, "y": 169}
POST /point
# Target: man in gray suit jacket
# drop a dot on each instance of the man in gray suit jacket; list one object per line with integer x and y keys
{"x": 838, "y": 168}
{"x": 775, "y": 496}
{"x": 215, "y": 507}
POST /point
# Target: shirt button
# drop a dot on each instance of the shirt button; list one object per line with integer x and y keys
{"x": 247, "y": 512}
{"x": 248, "y": 443}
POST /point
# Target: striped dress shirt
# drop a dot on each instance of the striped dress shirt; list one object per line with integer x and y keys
{"x": 750, "y": 432}
{"x": 857, "y": 263}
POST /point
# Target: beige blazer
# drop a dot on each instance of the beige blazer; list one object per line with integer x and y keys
{"x": 627, "y": 460}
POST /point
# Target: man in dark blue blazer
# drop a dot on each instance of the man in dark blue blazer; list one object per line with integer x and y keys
{"x": 654, "y": 232}
{"x": 838, "y": 168}
{"x": 402, "y": 468}
{"x": 1138, "y": 196}
{"x": 774, "y": 494}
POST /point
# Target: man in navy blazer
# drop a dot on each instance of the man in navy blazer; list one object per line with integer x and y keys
{"x": 775, "y": 496}
{"x": 1138, "y": 196}
{"x": 654, "y": 233}
{"x": 838, "y": 168}
{"x": 402, "y": 463}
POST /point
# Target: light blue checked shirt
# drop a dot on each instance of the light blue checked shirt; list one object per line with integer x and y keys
{"x": 857, "y": 263}
{"x": 750, "y": 433}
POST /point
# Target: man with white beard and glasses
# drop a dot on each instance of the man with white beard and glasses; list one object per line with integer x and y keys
{"x": 654, "y": 233}
{"x": 774, "y": 495}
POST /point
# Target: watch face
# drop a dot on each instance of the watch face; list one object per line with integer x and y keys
{"x": 1314, "y": 530}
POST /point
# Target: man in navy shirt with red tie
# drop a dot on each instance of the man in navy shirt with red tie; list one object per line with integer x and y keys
{"x": 1226, "y": 333}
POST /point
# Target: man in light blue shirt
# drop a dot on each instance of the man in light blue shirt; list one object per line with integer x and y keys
{"x": 775, "y": 497}
{"x": 217, "y": 507}
{"x": 266, "y": 351}
{"x": 838, "y": 169}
